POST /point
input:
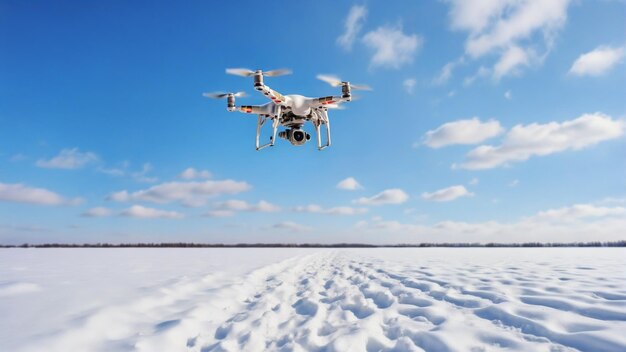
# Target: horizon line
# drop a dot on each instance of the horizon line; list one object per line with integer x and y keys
{"x": 620, "y": 243}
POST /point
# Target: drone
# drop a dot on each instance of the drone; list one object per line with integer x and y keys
{"x": 291, "y": 111}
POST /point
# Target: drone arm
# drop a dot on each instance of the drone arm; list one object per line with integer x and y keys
{"x": 331, "y": 99}
{"x": 267, "y": 91}
{"x": 253, "y": 109}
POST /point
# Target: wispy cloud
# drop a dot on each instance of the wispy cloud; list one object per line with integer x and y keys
{"x": 567, "y": 224}
{"x": 353, "y": 25}
{"x": 447, "y": 194}
{"x": 291, "y": 226}
{"x": 409, "y": 85}
{"x": 389, "y": 196}
{"x": 138, "y": 211}
{"x": 230, "y": 207}
{"x": 142, "y": 176}
{"x": 122, "y": 169}
{"x": 446, "y": 71}
{"x": 190, "y": 173}
{"x": 579, "y": 211}
{"x": 187, "y": 193}
{"x": 512, "y": 61}
{"x": 18, "y": 157}
{"x": 343, "y": 210}
{"x": 68, "y": 159}
{"x": 97, "y": 212}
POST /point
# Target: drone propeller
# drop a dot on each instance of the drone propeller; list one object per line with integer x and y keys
{"x": 279, "y": 72}
{"x": 332, "y": 80}
{"x": 240, "y": 72}
{"x": 336, "y": 82}
{"x": 220, "y": 95}
{"x": 247, "y": 72}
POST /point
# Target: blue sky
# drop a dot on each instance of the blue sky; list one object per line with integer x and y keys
{"x": 497, "y": 121}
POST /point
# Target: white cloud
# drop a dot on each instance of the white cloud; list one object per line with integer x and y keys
{"x": 508, "y": 95}
{"x": 470, "y": 131}
{"x": 480, "y": 73}
{"x": 389, "y": 196}
{"x": 229, "y": 207}
{"x": 187, "y": 193}
{"x": 113, "y": 171}
{"x": 510, "y": 61}
{"x": 97, "y": 212}
{"x": 392, "y": 48}
{"x": 474, "y": 15}
{"x": 598, "y": 61}
{"x": 353, "y": 25}
{"x": 509, "y": 28}
{"x": 18, "y": 157}
{"x": 291, "y": 226}
{"x": 511, "y": 21}
{"x": 219, "y": 213}
{"x": 122, "y": 169}
{"x": 142, "y": 176}
{"x": 473, "y": 182}
{"x": 19, "y": 193}
{"x": 445, "y": 74}
{"x": 190, "y": 173}
{"x": 613, "y": 200}
{"x": 68, "y": 159}
{"x": 577, "y": 223}
{"x": 313, "y": 208}
{"x": 514, "y": 183}
{"x": 578, "y": 211}
{"x": 447, "y": 194}
{"x": 349, "y": 184}
{"x": 138, "y": 211}
{"x": 409, "y": 85}
{"x": 525, "y": 141}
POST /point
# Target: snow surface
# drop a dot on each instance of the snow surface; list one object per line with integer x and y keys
{"x": 413, "y": 299}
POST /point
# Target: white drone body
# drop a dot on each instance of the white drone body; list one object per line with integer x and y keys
{"x": 291, "y": 111}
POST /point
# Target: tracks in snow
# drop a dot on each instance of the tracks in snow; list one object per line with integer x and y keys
{"x": 337, "y": 301}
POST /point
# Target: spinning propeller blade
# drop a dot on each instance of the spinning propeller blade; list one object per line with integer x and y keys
{"x": 247, "y": 72}
{"x": 240, "y": 72}
{"x": 220, "y": 95}
{"x": 336, "y": 82}
{"x": 332, "y": 80}
{"x": 278, "y": 72}
{"x": 360, "y": 86}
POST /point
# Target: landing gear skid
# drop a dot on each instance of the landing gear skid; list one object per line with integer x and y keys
{"x": 260, "y": 122}
{"x": 322, "y": 119}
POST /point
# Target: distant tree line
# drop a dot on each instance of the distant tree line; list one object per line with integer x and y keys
{"x": 317, "y": 245}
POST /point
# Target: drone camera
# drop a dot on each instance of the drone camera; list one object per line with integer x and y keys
{"x": 295, "y": 136}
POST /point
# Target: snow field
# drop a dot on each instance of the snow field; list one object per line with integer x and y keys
{"x": 364, "y": 300}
